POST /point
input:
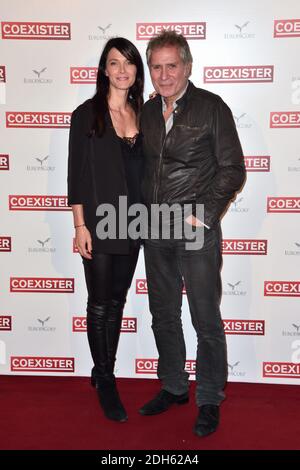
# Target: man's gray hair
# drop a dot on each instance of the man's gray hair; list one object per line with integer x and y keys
{"x": 170, "y": 38}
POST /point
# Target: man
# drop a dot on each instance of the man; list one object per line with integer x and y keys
{"x": 192, "y": 155}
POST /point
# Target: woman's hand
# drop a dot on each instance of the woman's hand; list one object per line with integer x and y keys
{"x": 152, "y": 95}
{"x": 83, "y": 241}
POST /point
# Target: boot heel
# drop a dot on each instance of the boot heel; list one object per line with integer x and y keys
{"x": 110, "y": 401}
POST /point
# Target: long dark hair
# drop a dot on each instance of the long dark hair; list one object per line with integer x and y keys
{"x": 135, "y": 95}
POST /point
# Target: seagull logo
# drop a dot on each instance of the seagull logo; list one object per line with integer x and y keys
{"x": 43, "y": 242}
{"x": 104, "y": 29}
{"x": 38, "y": 73}
{"x": 296, "y": 326}
{"x": 41, "y": 160}
{"x": 241, "y": 27}
{"x": 233, "y": 365}
{"x": 237, "y": 118}
{"x": 238, "y": 201}
{"x": 43, "y": 321}
{"x": 233, "y": 286}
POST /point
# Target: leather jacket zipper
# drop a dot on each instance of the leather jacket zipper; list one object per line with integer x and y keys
{"x": 156, "y": 189}
{"x": 159, "y": 171}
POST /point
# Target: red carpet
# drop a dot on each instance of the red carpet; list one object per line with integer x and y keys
{"x": 63, "y": 413}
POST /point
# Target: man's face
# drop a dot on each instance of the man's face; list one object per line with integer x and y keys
{"x": 168, "y": 72}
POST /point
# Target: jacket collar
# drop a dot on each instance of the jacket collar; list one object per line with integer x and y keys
{"x": 182, "y": 101}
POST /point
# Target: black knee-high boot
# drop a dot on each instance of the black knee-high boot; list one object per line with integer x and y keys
{"x": 99, "y": 334}
{"x": 113, "y": 330}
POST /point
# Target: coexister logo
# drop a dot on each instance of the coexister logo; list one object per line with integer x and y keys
{"x": 38, "y": 120}
{"x": 283, "y": 204}
{"x": 282, "y": 288}
{"x": 18, "y": 202}
{"x": 257, "y": 163}
{"x": 244, "y": 247}
{"x": 284, "y": 119}
{"x": 281, "y": 369}
{"x": 5, "y": 323}
{"x": 35, "y": 30}
{"x": 42, "y": 284}
{"x": 191, "y": 30}
{"x": 149, "y": 366}
{"x": 287, "y": 28}
{"x": 239, "y": 74}
{"x": 83, "y": 74}
{"x": 129, "y": 325}
{"x": 2, "y": 74}
{"x": 5, "y": 243}
{"x": 244, "y": 327}
{"x": 4, "y": 161}
{"x": 42, "y": 364}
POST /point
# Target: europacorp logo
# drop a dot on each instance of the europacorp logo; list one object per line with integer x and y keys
{"x": 42, "y": 325}
{"x": 294, "y": 249}
{"x": 240, "y": 30}
{"x": 40, "y": 164}
{"x": 38, "y": 76}
{"x": 235, "y": 369}
{"x": 234, "y": 289}
{"x": 239, "y": 205}
{"x": 102, "y": 32}
{"x": 42, "y": 245}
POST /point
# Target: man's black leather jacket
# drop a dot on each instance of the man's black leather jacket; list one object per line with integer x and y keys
{"x": 200, "y": 160}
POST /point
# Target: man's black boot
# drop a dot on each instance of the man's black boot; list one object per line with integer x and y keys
{"x": 162, "y": 402}
{"x": 207, "y": 420}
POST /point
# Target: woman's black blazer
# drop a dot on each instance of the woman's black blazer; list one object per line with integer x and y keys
{"x": 96, "y": 173}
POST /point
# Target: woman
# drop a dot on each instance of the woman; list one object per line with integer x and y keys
{"x": 105, "y": 162}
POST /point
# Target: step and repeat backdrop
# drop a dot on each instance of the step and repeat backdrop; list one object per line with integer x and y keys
{"x": 246, "y": 52}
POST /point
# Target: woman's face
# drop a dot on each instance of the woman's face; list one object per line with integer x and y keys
{"x": 119, "y": 70}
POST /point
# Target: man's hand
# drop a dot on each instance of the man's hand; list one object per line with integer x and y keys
{"x": 192, "y": 220}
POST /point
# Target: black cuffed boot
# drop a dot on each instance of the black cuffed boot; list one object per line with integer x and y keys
{"x": 102, "y": 374}
{"x": 109, "y": 399}
{"x": 113, "y": 330}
